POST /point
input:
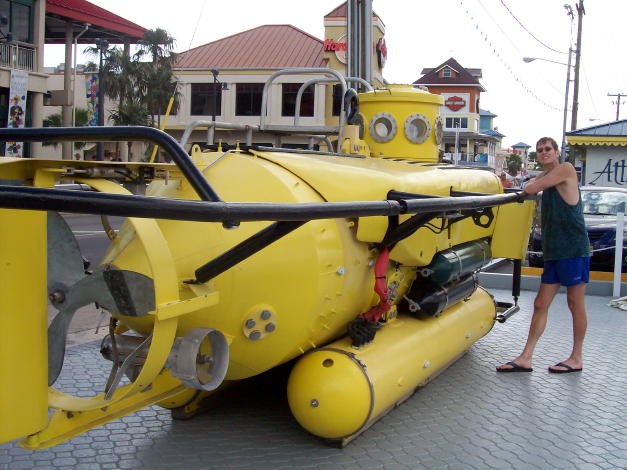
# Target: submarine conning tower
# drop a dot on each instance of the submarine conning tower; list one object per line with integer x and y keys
{"x": 401, "y": 121}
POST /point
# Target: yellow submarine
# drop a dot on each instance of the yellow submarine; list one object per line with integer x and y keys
{"x": 357, "y": 263}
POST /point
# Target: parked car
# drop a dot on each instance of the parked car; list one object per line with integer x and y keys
{"x": 600, "y": 206}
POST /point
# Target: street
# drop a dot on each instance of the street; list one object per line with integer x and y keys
{"x": 90, "y": 234}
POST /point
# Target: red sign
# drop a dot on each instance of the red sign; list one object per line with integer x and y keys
{"x": 455, "y": 103}
{"x": 331, "y": 45}
{"x": 339, "y": 47}
{"x": 382, "y": 52}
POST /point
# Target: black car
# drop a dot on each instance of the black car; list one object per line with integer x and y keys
{"x": 600, "y": 206}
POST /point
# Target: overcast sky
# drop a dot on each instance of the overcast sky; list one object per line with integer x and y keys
{"x": 527, "y": 97}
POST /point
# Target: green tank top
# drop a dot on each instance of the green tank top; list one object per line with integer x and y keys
{"x": 564, "y": 232}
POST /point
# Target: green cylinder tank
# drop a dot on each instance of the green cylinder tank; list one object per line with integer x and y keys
{"x": 457, "y": 262}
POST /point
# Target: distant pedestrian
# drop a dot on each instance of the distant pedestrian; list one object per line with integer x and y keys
{"x": 566, "y": 252}
{"x": 504, "y": 181}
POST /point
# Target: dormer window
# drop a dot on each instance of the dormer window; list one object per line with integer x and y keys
{"x": 447, "y": 73}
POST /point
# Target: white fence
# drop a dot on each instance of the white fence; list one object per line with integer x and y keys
{"x": 16, "y": 56}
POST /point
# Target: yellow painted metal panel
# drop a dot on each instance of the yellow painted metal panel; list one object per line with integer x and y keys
{"x": 23, "y": 316}
{"x": 511, "y": 234}
{"x": 401, "y": 102}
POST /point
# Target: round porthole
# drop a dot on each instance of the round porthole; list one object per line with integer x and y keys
{"x": 382, "y": 127}
{"x": 439, "y": 130}
{"x": 417, "y": 128}
{"x": 359, "y": 121}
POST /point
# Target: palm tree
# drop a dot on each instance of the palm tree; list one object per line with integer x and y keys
{"x": 56, "y": 120}
{"x": 159, "y": 84}
{"x": 142, "y": 89}
{"x": 130, "y": 113}
{"x": 158, "y": 44}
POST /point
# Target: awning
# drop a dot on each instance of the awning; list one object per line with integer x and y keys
{"x": 104, "y": 24}
{"x": 596, "y": 140}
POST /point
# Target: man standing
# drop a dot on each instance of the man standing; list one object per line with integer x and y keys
{"x": 566, "y": 251}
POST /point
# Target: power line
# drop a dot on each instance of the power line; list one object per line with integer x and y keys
{"x": 529, "y": 32}
{"x": 585, "y": 77}
{"x": 202, "y": 7}
{"x": 501, "y": 56}
{"x": 618, "y": 102}
{"x": 514, "y": 45}
{"x": 505, "y": 35}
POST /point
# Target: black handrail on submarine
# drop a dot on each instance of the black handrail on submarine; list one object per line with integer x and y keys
{"x": 118, "y": 133}
{"x": 287, "y": 216}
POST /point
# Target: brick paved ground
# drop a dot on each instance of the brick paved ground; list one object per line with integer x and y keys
{"x": 468, "y": 418}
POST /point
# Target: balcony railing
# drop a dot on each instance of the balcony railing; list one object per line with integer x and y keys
{"x": 16, "y": 56}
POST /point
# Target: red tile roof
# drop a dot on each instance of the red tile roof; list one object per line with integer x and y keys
{"x": 85, "y": 12}
{"x": 264, "y": 47}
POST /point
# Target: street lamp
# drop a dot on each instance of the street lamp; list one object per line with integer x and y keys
{"x": 102, "y": 46}
{"x": 214, "y": 94}
{"x": 568, "y": 67}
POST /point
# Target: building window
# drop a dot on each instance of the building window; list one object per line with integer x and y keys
{"x": 248, "y": 99}
{"x": 20, "y": 16}
{"x": 447, "y": 73}
{"x": 453, "y": 123}
{"x": 202, "y": 99}
{"x": 288, "y": 94}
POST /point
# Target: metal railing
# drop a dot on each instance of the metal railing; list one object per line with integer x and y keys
{"x": 16, "y": 56}
{"x": 249, "y": 129}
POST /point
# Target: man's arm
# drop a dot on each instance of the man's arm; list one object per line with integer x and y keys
{"x": 557, "y": 175}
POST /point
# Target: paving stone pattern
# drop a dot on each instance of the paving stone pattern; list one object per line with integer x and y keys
{"x": 470, "y": 417}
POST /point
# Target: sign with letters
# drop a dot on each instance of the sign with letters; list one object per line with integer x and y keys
{"x": 455, "y": 102}
{"x": 606, "y": 167}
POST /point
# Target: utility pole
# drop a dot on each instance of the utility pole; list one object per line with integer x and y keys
{"x": 580, "y": 12}
{"x": 618, "y": 97}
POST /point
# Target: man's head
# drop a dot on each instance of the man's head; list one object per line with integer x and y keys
{"x": 547, "y": 150}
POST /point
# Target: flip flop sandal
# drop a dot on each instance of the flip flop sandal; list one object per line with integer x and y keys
{"x": 568, "y": 369}
{"x": 515, "y": 368}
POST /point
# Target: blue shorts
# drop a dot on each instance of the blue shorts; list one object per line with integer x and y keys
{"x": 567, "y": 272}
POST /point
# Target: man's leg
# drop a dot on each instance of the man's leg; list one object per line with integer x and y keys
{"x": 541, "y": 305}
{"x": 576, "y": 303}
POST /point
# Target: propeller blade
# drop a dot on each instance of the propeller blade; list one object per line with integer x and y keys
{"x": 65, "y": 262}
{"x": 57, "y": 334}
{"x": 118, "y": 291}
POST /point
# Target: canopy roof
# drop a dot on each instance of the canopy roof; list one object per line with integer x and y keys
{"x": 103, "y": 23}
{"x": 612, "y": 133}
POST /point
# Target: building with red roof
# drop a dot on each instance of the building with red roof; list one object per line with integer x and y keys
{"x": 464, "y": 139}
{"x": 224, "y": 79}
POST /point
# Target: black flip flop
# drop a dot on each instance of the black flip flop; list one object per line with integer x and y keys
{"x": 568, "y": 370}
{"x": 515, "y": 368}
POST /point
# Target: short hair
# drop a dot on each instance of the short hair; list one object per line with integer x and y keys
{"x": 550, "y": 140}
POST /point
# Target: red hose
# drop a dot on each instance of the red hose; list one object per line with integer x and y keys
{"x": 380, "y": 287}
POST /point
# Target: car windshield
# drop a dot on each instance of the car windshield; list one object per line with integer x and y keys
{"x": 602, "y": 202}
